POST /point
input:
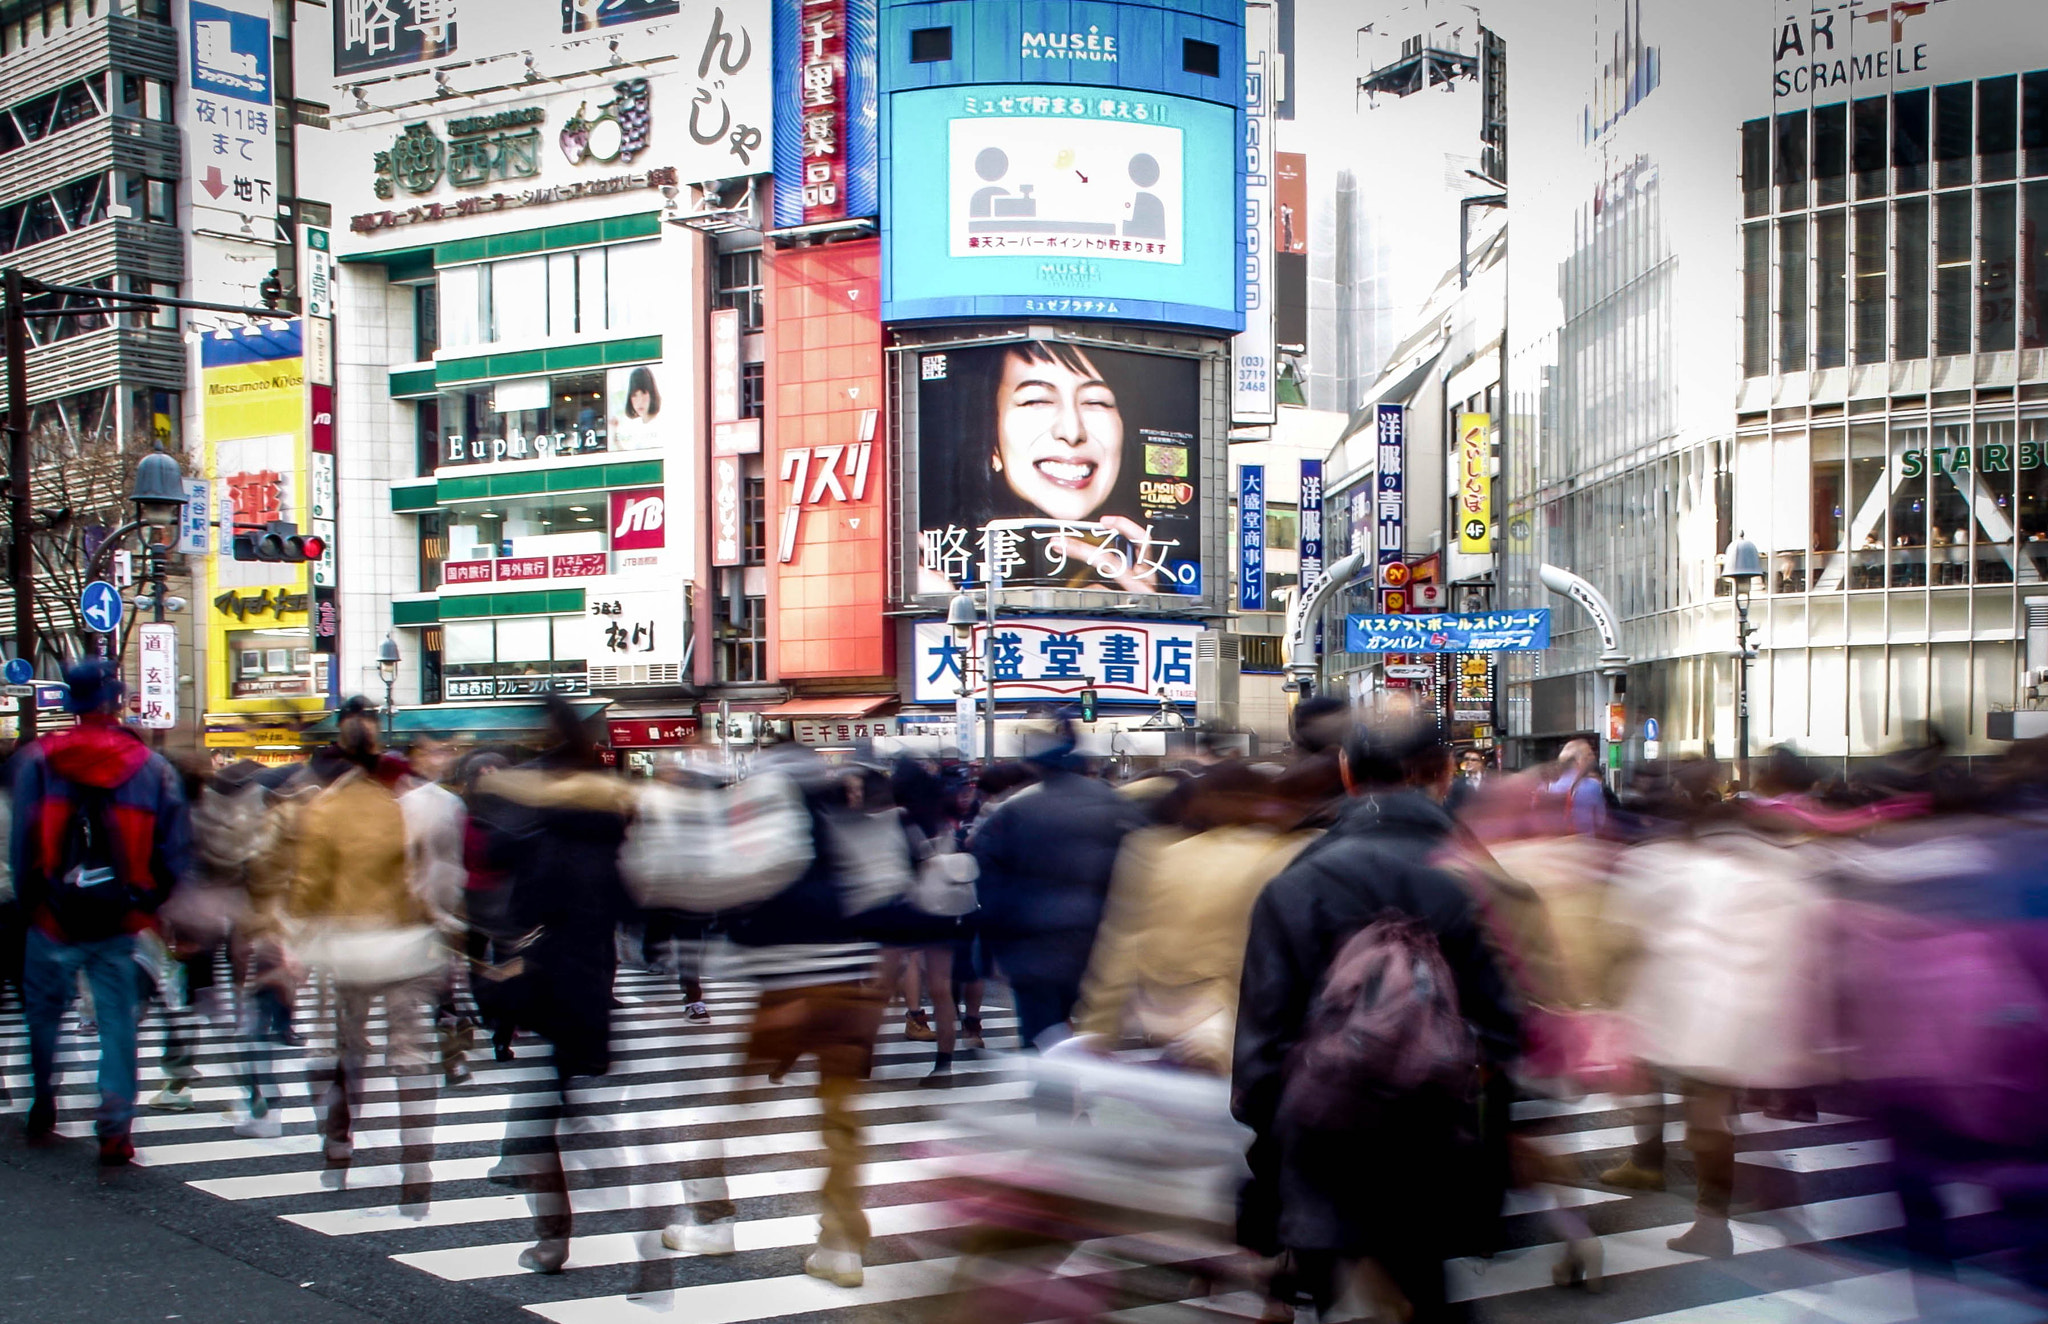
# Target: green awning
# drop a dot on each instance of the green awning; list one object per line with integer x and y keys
{"x": 512, "y": 721}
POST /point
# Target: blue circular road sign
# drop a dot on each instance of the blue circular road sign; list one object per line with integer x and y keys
{"x": 99, "y": 605}
{"x": 1650, "y": 728}
{"x": 18, "y": 671}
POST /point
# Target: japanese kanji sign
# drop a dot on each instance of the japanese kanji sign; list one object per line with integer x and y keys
{"x": 229, "y": 118}
{"x": 1042, "y": 657}
{"x": 377, "y": 34}
{"x": 1523, "y": 631}
{"x": 1251, "y": 537}
{"x": 825, "y": 146}
{"x": 1389, "y": 505}
{"x": 638, "y": 628}
{"x": 156, "y": 697}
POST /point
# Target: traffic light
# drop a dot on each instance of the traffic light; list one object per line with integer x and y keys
{"x": 1087, "y": 705}
{"x": 279, "y": 540}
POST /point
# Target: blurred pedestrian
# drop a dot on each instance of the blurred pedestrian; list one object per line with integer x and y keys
{"x": 555, "y": 826}
{"x": 100, "y": 837}
{"x": 366, "y": 929}
{"x": 1402, "y": 1191}
{"x": 1046, "y": 857}
{"x": 1575, "y": 780}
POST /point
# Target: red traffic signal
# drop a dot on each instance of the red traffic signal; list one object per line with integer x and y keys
{"x": 279, "y": 540}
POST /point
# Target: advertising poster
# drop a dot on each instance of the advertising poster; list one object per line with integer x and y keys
{"x": 1311, "y": 524}
{"x": 1252, "y": 350}
{"x": 1290, "y": 250}
{"x": 258, "y": 621}
{"x": 1475, "y": 483}
{"x": 1097, "y": 446}
{"x": 231, "y": 142}
{"x": 382, "y": 34}
{"x": 1069, "y": 205}
{"x": 826, "y": 166}
{"x": 1389, "y": 503}
{"x": 633, "y": 408}
{"x": 1251, "y": 537}
{"x": 1049, "y": 657}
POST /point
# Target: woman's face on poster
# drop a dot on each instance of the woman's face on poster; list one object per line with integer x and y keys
{"x": 1059, "y": 436}
{"x": 637, "y": 402}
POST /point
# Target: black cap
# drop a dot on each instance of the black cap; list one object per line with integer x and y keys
{"x": 355, "y": 706}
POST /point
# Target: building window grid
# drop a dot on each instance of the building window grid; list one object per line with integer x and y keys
{"x": 739, "y": 286}
{"x": 1986, "y": 286}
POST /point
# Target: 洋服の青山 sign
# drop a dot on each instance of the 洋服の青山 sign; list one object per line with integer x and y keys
{"x": 1468, "y": 632}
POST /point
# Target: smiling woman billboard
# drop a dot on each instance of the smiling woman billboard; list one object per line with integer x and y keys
{"x": 1098, "y": 445}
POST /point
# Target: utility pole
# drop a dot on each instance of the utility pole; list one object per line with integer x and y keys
{"x": 20, "y": 495}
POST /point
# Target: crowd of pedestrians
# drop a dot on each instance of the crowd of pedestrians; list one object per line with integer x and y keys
{"x": 1375, "y": 949}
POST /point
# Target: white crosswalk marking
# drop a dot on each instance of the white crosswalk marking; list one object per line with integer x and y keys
{"x": 677, "y": 1099}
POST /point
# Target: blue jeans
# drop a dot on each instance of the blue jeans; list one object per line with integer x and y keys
{"x": 49, "y": 978}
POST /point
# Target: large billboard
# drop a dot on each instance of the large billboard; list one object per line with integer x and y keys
{"x": 231, "y": 143}
{"x": 1099, "y": 449}
{"x": 1055, "y": 657}
{"x": 1010, "y": 201}
{"x": 258, "y": 615}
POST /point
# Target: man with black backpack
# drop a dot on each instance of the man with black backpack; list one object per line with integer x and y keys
{"x": 1369, "y": 1008}
{"x": 100, "y": 837}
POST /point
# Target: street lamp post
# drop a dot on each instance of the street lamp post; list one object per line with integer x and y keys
{"x": 1742, "y": 565}
{"x": 1613, "y": 662}
{"x": 994, "y": 564}
{"x": 960, "y": 618}
{"x": 387, "y": 670}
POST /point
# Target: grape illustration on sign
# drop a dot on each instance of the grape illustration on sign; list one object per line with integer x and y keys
{"x": 99, "y": 606}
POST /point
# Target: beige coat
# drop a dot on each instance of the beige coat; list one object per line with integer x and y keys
{"x": 352, "y": 863}
{"x": 1167, "y": 958}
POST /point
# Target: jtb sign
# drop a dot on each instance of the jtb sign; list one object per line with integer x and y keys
{"x": 1469, "y": 632}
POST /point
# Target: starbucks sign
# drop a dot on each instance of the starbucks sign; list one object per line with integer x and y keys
{"x": 1991, "y": 458}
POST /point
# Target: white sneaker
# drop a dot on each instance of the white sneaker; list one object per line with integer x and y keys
{"x": 839, "y": 1267}
{"x": 172, "y": 1098}
{"x": 268, "y": 1126}
{"x": 699, "y": 1238}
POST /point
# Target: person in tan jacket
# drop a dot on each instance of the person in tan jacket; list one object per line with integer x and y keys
{"x": 1164, "y": 971}
{"x": 363, "y": 926}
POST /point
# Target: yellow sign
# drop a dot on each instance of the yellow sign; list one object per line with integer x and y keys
{"x": 259, "y": 638}
{"x": 1475, "y": 483}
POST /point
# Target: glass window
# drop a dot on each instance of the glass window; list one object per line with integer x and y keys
{"x": 754, "y": 517}
{"x": 562, "y": 302}
{"x": 571, "y": 641}
{"x": 1991, "y": 496}
{"x": 578, "y": 407}
{"x": 269, "y": 663}
{"x": 2034, "y": 121}
{"x": 1952, "y": 150}
{"x": 1998, "y": 126}
{"x": 468, "y": 648}
{"x": 433, "y": 550}
{"x": 1952, "y": 274}
{"x": 1864, "y": 519}
{"x": 1831, "y": 299}
{"x": 739, "y": 286}
{"x": 1792, "y": 294}
{"x": 1791, "y": 156}
{"x": 1907, "y": 547}
{"x": 75, "y": 105}
{"x": 633, "y": 292}
{"x": 1999, "y": 310}
{"x": 753, "y": 390}
{"x": 1951, "y": 474}
{"x": 527, "y": 526}
{"x": 1871, "y": 262}
{"x": 1909, "y": 260}
{"x": 590, "y": 288}
{"x": 1831, "y": 153}
{"x": 2034, "y": 267}
{"x": 427, "y": 435}
{"x": 2030, "y": 471}
{"x": 1909, "y": 140}
{"x": 519, "y": 300}
{"x": 1828, "y": 490}
{"x": 460, "y": 304}
{"x": 1871, "y": 149}
{"x": 1756, "y": 167}
{"x": 1756, "y": 299}
{"x": 426, "y": 320}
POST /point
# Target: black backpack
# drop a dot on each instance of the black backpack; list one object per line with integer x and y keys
{"x": 86, "y": 894}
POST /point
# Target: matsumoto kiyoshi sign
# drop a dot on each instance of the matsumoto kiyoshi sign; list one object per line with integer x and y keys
{"x": 1469, "y": 632}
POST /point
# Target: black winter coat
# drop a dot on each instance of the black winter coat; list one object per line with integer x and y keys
{"x": 1374, "y": 859}
{"x": 1046, "y": 857}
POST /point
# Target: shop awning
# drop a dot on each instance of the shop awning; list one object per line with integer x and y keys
{"x": 519, "y": 721}
{"x": 843, "y": 705}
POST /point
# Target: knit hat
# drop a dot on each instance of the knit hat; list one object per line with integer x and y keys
{"x": 95, "y": 686}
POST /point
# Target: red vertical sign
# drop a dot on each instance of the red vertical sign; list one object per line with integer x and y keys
{"x": 822, "y": 94}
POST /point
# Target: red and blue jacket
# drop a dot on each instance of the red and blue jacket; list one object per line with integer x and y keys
{"x": 151, "y": 829}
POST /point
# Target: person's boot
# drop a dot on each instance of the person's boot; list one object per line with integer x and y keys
{"x": 1708, "y": 1236}
{"x": 116, "y": 1151}
{"x": 1633, "y": 1176}
{"x": 918, "y": 1028}
{"x": 970, "y": 1034}
{"x": 545, "y": 1256}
